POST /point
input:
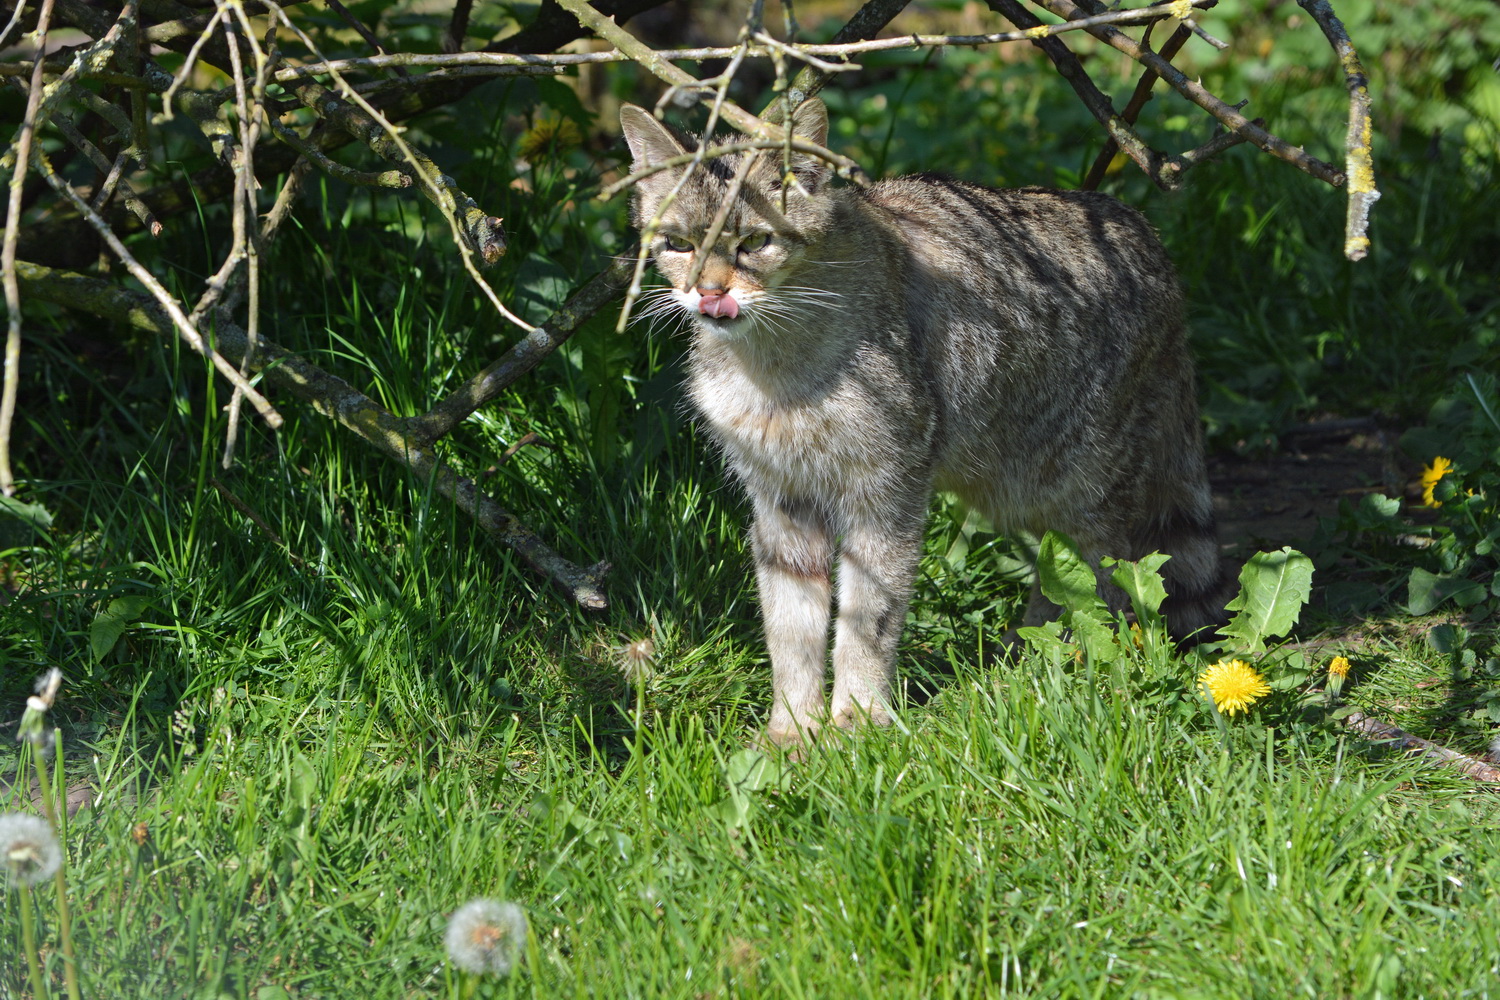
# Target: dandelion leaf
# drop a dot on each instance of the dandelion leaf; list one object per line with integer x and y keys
{"x": 1066, "y": 577}
{"x": 1094, "y": 634}
{"x": 1273, "y": 588}
{"x": 1141, "y": 581}
{"x": 1047, "y": 639}
{"x": 111, "y": 623}
{"x": 1425, "y": 590}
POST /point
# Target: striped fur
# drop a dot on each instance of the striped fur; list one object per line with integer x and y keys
{"x": 855, "y": 349}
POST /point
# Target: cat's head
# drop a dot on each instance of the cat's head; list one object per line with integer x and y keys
{"x": 777, "y": 216}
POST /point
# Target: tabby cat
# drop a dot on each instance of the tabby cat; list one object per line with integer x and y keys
{"x": 856, "y": 348}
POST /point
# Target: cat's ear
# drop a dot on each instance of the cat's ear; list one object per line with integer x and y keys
{"x": 810, "y": 122}
{"x": 650, "y": 141}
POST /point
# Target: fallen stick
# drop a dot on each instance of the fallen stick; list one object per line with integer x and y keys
{"x": 1384, "y": 732}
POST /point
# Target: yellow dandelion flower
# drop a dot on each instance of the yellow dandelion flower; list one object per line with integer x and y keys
{"x": 1439, "y": 468}
{"x": 1338, "y": 669}
{"x": 1233, "y": 685}
{"x": 550, "y": 136}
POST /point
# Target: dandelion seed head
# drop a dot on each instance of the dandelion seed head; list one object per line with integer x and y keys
{"x": 28, "y": 848}
{"x": 636, "y": 660}
{"x": 486, "y": 936}
{"x": 1233, "y": 685}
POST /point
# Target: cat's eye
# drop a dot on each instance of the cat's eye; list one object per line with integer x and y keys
{"x": 755, "y": 243}
{"x": 677, "y": 244}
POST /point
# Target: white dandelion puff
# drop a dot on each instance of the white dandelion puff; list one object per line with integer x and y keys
{"x": 29, "y": 848}
{"x": 486, "y": 936}
{"x": 636, "y": 659}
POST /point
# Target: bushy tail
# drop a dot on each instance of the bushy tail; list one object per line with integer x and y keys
{"x": 1197, "y": 586}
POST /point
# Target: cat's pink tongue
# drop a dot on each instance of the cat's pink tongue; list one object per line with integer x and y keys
{"x": 719, "y": 306}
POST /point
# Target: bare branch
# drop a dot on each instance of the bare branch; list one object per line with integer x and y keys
{"x": 334, "y": 398}
{"x": 188, "y": 331}
{"x": 658, "y": 66}
{"x": 8, "y": 254}
{"x": 364, "y": 32}
{"x": 526, "y": 354}
{"x": 766, "y": 45}
{"x": 1384, "y": 732}
{"x": 865, "y": 24}
{"x": 1133, "y": 109}
{"x": 1099, "y": 105}
{"x": 474, "y": 231}
{"x": 333, "y": 168}
{"x": 1199, "y": 95}
{"x": 453, "y": 39}
{"x": 1359, "y": 165}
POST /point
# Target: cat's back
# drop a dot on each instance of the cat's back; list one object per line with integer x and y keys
{"x": 1030, "y": 273}
{"x": 1039, "y": 226}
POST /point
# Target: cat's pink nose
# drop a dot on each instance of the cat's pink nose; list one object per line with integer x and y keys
{"x": 719, "y": 306}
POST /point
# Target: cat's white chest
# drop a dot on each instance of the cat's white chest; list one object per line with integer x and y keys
{"x": 821, "y": 445}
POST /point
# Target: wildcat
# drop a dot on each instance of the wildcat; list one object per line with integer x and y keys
{"x": 854, "y": 349}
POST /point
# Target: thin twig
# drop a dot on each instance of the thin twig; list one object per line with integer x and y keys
{"x": 8, "y": 254}
{"x": 271, "y": 225}
{"x": 333, "y": 168}
{"x": 660, "y": 67}
{"x": 1199, "y": 95}
{"x": 245, "y": 234}
{"x": 765, "y": 46}
{"x": 113, "y": 172}
{"x": 1070, "y": 69}
{"x": 474, "y": 231}
{"x": 188, "y": 63}
{"x": 364, "y": 32}
{"x": 1133, "y": 109}
{"x": 260, "y": 522}
{"x": 188, "y": 331}
{"x": 866, "y": 23}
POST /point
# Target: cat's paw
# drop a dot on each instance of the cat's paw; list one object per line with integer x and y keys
{"x": 787, "y": 731}
{"x": 855, "y": 714}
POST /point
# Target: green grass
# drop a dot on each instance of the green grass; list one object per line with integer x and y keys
{"x": 305, "y": 764}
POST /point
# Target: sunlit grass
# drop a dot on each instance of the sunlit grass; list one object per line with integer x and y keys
{"x": 308, "y": 752}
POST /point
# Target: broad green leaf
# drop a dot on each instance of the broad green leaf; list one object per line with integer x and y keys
{"x": 1425, "y": 591}
{"x": 1066, "y": 577}
{"x": 1376, "y": 511}
{"x": 1095, "y": 634}
{"x": 112, "y": 622}
{"x": 20, "y": 523}
{"x": 1448, "y": 638}
{"x": 1047, "y": 639}
{"x": 751, "y": 770}
{"x": 1141, "y": 581}
{"x": 1273, "y": 588}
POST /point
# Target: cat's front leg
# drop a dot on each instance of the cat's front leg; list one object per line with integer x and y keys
{"x": 793, "y": 553}
{"x": 877, "y": 562}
